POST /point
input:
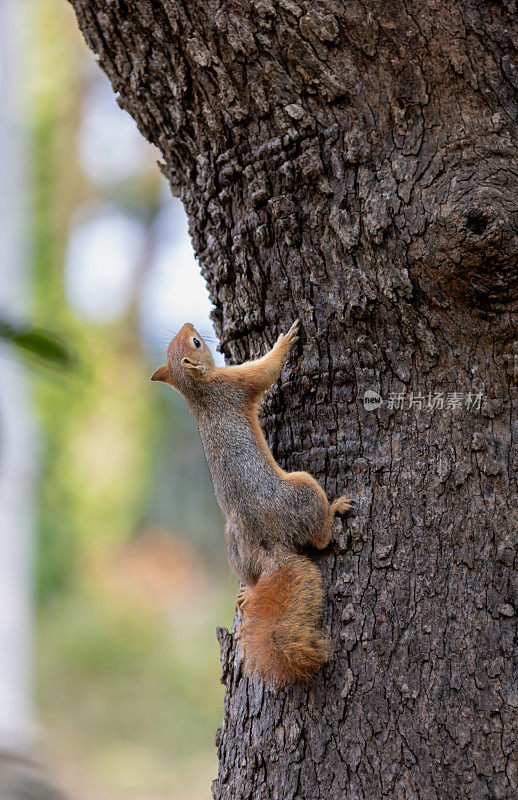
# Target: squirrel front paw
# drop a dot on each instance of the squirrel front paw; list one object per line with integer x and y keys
{"x": 289, "y": 339}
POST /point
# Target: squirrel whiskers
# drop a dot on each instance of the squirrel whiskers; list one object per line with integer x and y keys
{"x": 271, "y": 514}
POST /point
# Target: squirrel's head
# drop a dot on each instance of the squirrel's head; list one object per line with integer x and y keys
{"x": 189, "y": 361}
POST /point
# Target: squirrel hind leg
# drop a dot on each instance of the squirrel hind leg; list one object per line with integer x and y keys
{"x": 340, "y": 506}
{"x": 242, "y": 597}
{"x": 321, "y": 541}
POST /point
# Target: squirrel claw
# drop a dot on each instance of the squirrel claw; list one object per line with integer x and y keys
{"x": 292, "y": 337}
{"x": 242, "y": 597}
{"x": 341, "y": 505}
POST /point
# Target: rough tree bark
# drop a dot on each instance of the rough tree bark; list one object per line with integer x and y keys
{"x": 353, "y": 164}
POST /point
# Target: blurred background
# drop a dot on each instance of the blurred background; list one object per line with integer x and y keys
{"x": 113, "y": 572}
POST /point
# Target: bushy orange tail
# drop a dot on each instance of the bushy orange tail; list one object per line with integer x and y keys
{"x": 280, "y": 631}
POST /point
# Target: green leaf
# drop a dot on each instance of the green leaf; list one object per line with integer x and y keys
{"x": 42, "y": 345}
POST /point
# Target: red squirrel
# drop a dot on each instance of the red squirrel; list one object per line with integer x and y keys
{"x": 271, "y": 514}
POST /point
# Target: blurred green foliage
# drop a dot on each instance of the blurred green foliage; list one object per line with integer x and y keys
{"x": 133, "y": 697}
{"x": 43, "y": 347}
{"x": 54, "y": 87}
{"x": 128, "y": 693}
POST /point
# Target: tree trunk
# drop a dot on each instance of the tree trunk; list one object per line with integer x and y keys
{"x": 352, "y": 164}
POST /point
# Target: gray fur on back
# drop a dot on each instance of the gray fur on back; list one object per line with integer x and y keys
{"x": 267, "y": 517}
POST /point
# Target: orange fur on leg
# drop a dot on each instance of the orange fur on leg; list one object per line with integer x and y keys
{"x": 340, "y": 506}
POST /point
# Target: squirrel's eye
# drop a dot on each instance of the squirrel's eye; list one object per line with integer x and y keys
{"x": 196, "y": 342}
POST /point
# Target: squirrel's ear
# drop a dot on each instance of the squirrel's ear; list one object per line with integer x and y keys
{"x": 163, "y": 374}
{"x": 197, "y": 370}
